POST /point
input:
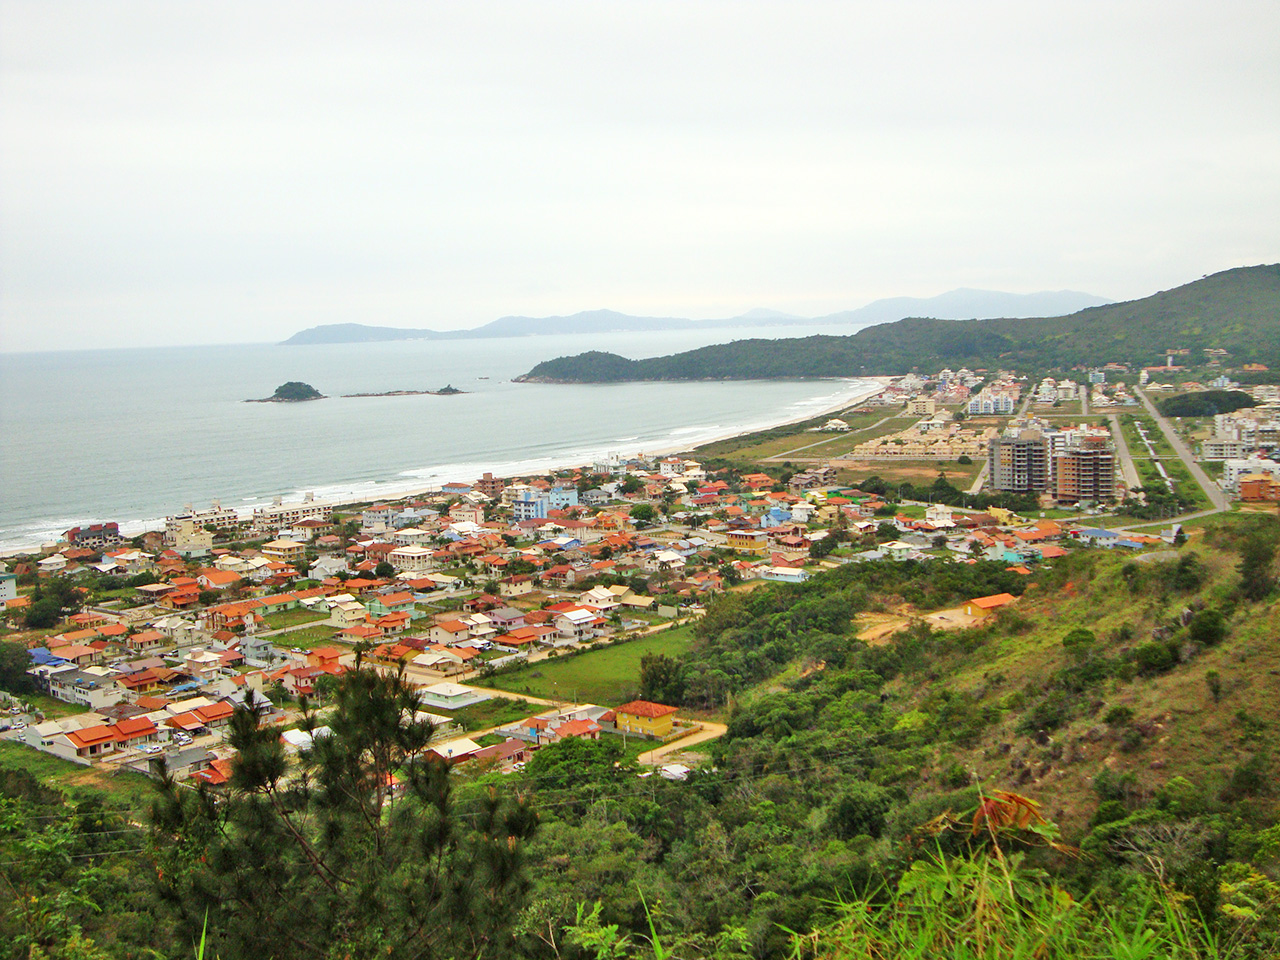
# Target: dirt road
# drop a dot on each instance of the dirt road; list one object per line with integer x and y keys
{"x": 709, "y": 731}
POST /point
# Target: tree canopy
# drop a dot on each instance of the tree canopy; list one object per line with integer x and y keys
{"x": 360, "y": 834}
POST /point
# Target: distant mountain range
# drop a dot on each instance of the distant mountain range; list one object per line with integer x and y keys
{"x": 961, "y": 304}
{"x": 1237, "y": 311}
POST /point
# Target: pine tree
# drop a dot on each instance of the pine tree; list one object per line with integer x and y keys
{"x": 354, "y": 848}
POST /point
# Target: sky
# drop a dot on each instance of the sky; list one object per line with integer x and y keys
{"x": 185, "y": 173}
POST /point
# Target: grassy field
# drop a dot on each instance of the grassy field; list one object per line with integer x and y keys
{"x": 131, "y": 789}
{"x": 306, "y": 639}
{"x": 779, "y": 440}
{"x": 609, "y": 675}
{"x": 292, "y": 618}
{"x": 491, "y": 713}
{"x": 916, "y": 472}
{"x": 51, "y": 708}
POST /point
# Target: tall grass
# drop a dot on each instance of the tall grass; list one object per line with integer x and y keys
{"x": 996, "y": 908}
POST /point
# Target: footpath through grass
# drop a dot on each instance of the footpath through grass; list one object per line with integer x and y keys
{"x": 607, "y": 675}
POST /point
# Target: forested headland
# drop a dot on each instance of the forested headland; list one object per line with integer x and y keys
{"x": 1236, "y": 310}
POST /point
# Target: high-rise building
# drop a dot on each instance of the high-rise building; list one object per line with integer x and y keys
{"x": 1086, "y": 470}
{"x": 1019, "y": 463}
{"x": 490, "y": 486}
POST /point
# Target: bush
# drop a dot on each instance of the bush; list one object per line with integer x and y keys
{"x": 1208, "y": 627}
{"x": 1154, "y": 658}
{"x": 1118, "y": 716}
{"x": 1047, "y": 714}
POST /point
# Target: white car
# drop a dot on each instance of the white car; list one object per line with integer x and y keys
{"x": 152, "y": 748}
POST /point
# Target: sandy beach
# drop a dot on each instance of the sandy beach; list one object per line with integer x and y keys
{"x": 413, "y": 492}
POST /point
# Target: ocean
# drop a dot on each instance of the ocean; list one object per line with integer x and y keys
{"x": 133, "y": 435}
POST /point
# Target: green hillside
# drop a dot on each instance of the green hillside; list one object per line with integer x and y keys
{"x": 1236, "y": 310}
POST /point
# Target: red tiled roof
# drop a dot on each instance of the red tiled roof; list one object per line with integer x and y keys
{"x": 644, "y": 708}
{"x": 993, "y": 601}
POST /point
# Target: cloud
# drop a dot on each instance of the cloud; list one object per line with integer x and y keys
{"x": 232, "y": 172}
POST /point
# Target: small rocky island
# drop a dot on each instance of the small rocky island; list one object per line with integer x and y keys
{"x": 446, "y": 391}
{"x": 295, "y": 391}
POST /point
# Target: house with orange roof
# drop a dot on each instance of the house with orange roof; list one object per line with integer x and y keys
{"x": 527, "y": 637}
{"x": 981, "y": 607}
{"x": 210, "y": 578}
{"x": 80, "y": 655}
{"x": 645, "y": 718}
{"x": 324, "y": 657}
{"x": 360, "y": 632}
{"x": 146, "y": 641}
{"x": 578, "y": 729}
{"x": 217, "y": 774}
{"x": 113, "y": 631}
{"x": 449, "y": 631}
{"x": 383, "y": 604}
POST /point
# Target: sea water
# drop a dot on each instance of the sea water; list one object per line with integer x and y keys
{"x": 132, "y": 435}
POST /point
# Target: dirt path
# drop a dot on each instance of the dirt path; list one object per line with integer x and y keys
{"x": 709, "y": 731}
{"x": 880, "y": 627}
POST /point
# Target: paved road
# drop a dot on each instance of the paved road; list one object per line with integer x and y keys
{"x": 709, "y": 731}
{"x": 1211, "y": 489}
{"x": 980, "y": 479}
{"x": 1126, "y": 458}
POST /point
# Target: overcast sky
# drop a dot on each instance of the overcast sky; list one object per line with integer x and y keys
{"x": 231, "y": 172}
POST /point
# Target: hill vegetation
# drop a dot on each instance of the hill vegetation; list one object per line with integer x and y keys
{"x": 1237, "y": 311}
{"x": 295, "y": 391}
{"x": 1085, "y": 774}
{"x": 1206, "y": 404}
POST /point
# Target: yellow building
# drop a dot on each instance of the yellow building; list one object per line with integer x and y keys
{"x": 981, "y": 607}
{"x": 748, "y": 541}
{"x": 285, "y": 550}
{"x": 643, "y": 717}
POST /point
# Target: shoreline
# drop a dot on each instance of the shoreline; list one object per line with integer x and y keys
{"x": 137, "y": 527}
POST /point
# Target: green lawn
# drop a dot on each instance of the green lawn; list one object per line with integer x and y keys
{"x": 292, "y": 618}
{"x": 306, "y": 639}
{"x": 491, "y": 713}
{"x": 609, "y": 675}
{"x": 52, "y": 708}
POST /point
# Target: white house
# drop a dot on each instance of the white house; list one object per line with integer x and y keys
{"x": 411, "y": 559}
{"x": 578, "y": 624}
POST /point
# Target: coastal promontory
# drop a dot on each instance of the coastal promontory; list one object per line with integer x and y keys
{"x": 1235, "y": 313}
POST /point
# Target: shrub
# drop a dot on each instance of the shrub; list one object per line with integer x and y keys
{"x": 1214, "y": 682}
{"x": 1118, "y": 716}
{"x": 1047, "y": 714}
{"x": 1153, "y": 658}
{"x": 1208, "y": 627}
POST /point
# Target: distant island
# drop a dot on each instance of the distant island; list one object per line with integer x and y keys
{"x": 960, "y": 304}
{"x": 295, "y": 391}
{"x": 447, "y": 391}
{"x": 1235, "y": 312}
